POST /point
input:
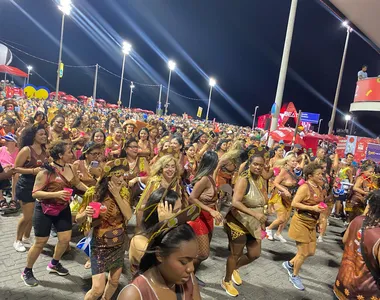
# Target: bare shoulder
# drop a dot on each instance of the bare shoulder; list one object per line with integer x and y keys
{"x": 130, "y": 292}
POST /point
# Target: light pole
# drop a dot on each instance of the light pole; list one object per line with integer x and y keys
{"x": 333, "y": 113}
{"x": 254, "y": 118}
{"x": 130, "y": 94}
{"x": 126, "y": 50}
{"x": 212, "y": 83}
{"x": 171, "y": 66}
{"x": 29, "y": 69}
{"x": 319, "y": 124}
{"x": 348, "y": 119}
{"x": 65, "y": 8}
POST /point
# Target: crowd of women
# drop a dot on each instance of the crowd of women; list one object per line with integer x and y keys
{"x": 179, "y": 178}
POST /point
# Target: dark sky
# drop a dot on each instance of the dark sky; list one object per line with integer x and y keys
{"x": 238, "y": 42}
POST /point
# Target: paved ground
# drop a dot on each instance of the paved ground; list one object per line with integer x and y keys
{"x": 263, "y": 279}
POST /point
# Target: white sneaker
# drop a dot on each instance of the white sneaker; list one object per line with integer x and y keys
{"x": 269, "y": 234}
{"x": 19, "y": 247}
{"x": 279, "y": 237}
{"x": 28, "y": 241}
{"x": 320, "y": 239}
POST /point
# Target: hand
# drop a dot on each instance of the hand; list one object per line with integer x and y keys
{"x": 63, "y": 195}
{"x": 261, "y": 217}
{"x": 287, "y": 194}
{"x": 132, "y": 182}
{"x": 165, "y": 211}
{"x": 217, "y": 216}
{"x": 89, "y": 211}
{"x": 114, "y": 189}
{"x": 317, "y": 209}
{"x": 9, "y": 171}
{"x": 37, "y": 170}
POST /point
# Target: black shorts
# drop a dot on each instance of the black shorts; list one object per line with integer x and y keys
{"x": 24, "y": 188}
{"x": 42, "y": 223}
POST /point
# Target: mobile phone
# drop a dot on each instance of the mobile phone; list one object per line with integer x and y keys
{"x": 94, "y": 164}
{"x": 17, "y": 109}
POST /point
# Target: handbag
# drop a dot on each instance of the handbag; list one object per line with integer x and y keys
{"x": 114, "y": 237}
{"x": 375, "y": 273}
{"x": 53, "y": 209}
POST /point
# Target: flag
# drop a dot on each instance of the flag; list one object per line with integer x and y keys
{"x": 199, "y": 112}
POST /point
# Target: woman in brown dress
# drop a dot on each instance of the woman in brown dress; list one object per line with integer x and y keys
{"x": 303, "y": 224}
{"x": 145, "y": 146}
{"x": 245, "y": 221}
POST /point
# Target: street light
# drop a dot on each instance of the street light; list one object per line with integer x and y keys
{"x": 348, "y": 119}
{"x": 254, "y": 118}
{"x": 29, "y": 69}
{"x": 171, "y": 66}
{"x": 212, "y": 83}
{"x": 319, "y": 124}
{"x": 333, "y": 113}
{"x": 65, "y": 7}
{"x": 126, "y": 50}
{"x": 130, "y": 94}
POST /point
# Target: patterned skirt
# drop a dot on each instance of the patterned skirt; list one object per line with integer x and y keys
{"x": 106, "y": 259}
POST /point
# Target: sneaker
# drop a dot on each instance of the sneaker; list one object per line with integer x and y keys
{"x": 236, "y": 277}
{"x": 320, "y": 239}
{"x": 279, "y": 237}
{"x": 269, "y": 234}
{"x": 53, "y": 233}
{"x": 29, "y": 278}
{"x": 19, "y": 247}
{"x": 296, "y": 281}
{"x": 28, "y": 241}
{"x": 229, "y": 288}
{"x": 59, "y": 269}
{"x": 288, "y": 268}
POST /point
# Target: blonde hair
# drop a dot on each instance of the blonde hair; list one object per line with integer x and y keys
{"x": 282, "y": 162}
{"x": 234, "y": 152}
{"x": 158, "y": 166}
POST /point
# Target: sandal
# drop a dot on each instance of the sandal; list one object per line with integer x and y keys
{"x": 13, "y": 205}
{"x": 3, "y": 204}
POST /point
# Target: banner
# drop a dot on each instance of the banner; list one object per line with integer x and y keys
{"x": 368, "y": 90}
{"x": 199, "y": 112}
{"x": 373, "y": 152}
{"x": 290, "y": 112}
{"x": 351, "y": 144}
{"x": 310, "y": 117}
{"x": 61, "y": 65}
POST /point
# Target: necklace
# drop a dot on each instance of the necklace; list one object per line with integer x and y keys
{"x": 313, "y": 184}
{"x": 132, "y": 166}
{"x": 158, "y": 284}
{"x": 61, "y": 166}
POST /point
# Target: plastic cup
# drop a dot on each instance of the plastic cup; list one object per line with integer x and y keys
{"x": 70, "y": 191}
{"x": 96, "y": 206}
{"x": 301, "y": 182}
{"x": 263, "y": 234}
{"x": 322, "y": 205}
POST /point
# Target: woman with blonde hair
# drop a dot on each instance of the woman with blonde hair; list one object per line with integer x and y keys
{"x": 285, "y": 187}
{"x": 164, "y": 173}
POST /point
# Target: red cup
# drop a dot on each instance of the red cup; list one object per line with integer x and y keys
{"x": 322, "y": 205}
{"x": 96, "y": 206}
{"x": 70, "y": 191}
{"x": 263, "y": 234}
{"x": 301, "y": 182}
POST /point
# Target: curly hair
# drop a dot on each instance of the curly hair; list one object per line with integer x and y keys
{"x": 28, "y": 135}
{"x": 310, "y": 169}
{"x": 159, "y": 165}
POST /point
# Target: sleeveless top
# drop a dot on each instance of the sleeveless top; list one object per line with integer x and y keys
{"x": 354, "y": 280}
{"x": 34, "y": 162}
{"x": 314, "y": 199}
{"x": 209, "y": 195}
{"x": 146, "y": 291}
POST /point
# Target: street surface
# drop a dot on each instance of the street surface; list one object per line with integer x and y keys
{"x": 263, "y": 279}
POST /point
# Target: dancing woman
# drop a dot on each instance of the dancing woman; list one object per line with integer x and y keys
{"x": 303, "y": 224}
{"x": 245, "y": 221}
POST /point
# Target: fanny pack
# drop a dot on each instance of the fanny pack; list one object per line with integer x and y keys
{"x": 113, "y": 238}
{"x": 53, "y": 209}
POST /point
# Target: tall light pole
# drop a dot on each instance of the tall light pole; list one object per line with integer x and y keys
{"x": 333, "y": 113}
{"x": 212, "y": 83}
{"x": 130, "y": 94}
{"x": 171, "y": 66}
{"x": 29, "y": 69}
{"x": 65, "y": 8}
{"x": 126, "y": 50}
{"x": 284, "y": 64}
{"x": 254, "y": 118}
{"x": 319, "y": 124}
{"x": 348, "y": 119}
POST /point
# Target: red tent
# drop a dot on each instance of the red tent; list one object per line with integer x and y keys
{"x": 286, "y": 134}
{"x": 82, "y": 97}
{"x": 12, "y": 71}
{"x": 110, "y": 105}
{"x": 69, "y": 98}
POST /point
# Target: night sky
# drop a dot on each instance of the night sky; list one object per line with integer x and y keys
{"x": 238, "y": 42}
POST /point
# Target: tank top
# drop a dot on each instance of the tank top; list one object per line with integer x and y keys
{"x": 314, "y": 199}
{"x": 354, "y": 280}
{"x": 36, "y": 160}
{"x": 208, "y": 196}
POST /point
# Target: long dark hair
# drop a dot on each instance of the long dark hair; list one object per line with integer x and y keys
{"x": 207, "y": 166}
{"x": 166, "y": 243}
{"x": 28, "y": 135}
{"x": 373, "y": 216}
{"x": 102, "y": 186}
{"x": 221, "y": 142}
{"x": 150, "y": 215}
{"x": 180, "y": 141}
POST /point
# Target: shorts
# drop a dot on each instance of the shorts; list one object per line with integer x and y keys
{"x": 42, "y": 223}
{"x": 24, "y": 188}
{"x": 204, "y": 224}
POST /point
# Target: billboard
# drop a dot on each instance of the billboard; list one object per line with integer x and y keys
{"x": 310, "y": 117}
{"x": 373, "y": 152}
